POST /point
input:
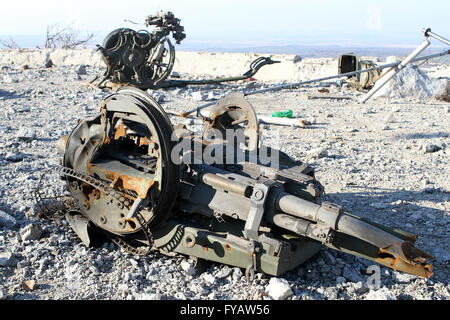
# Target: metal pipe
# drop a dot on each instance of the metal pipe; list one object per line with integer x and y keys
{"x": 296, "y": 225}
{"x": 293, "y": 85}
{"x": 367, "y": 232}
{"x": 137, "y": 204}
{"x": 297, "y": 207}
{"x": 308, "y": 212}
{"x": 338, "y": 221}
{"x": 398, "y": 255}
{"x": 221, "y": 183}
{"x": 391, "y": 73}
{"x": 282, "y": 121}
{"x": 306, "y": 228}
{"x": 254, "y": 68}
{"x": 428, "y": 33}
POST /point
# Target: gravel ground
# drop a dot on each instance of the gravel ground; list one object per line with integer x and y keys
{"x": 386, "y": 160}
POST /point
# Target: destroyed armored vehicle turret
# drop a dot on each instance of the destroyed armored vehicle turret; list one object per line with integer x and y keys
{"x": 221, "y": 195}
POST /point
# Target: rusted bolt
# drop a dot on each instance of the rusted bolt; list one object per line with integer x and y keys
{"x": 74, "y": 185}
{"x": 96, "y": 194}
{"x": 86, "y": 204}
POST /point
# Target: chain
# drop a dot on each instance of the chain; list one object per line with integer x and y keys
{"x": 53, "y": 207}
{"x": 127, "y": 246}
{"x": 117, "y": 197}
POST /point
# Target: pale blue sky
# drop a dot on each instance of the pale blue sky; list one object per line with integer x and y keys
{"x": 243, "y": 22}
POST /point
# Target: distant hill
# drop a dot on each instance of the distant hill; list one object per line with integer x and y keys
{"x": 312, "y": 51}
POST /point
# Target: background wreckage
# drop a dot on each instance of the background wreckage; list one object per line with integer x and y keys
{"x": 118, "y": 169}
{"x": 145, "y": 60}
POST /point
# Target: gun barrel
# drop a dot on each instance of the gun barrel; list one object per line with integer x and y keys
{"x": 328, "y": 224}
{"x": 338, "y": 221}
{"x": 339, "y": 230}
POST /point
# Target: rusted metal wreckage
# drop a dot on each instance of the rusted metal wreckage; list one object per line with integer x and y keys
{"x": 363, "y": 74}
{"x": 150, "y": 186}
{"x": 145, "y": 60}
{"x": 221, "y": 195}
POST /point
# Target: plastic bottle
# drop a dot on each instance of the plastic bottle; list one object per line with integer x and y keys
{"x": 283, "y": 114}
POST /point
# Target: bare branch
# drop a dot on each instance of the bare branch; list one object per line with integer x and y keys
{"x": 9, "y": 44}
{"x": 65, "y": 38}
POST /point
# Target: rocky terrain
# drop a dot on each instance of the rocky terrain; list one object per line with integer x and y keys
{"x": 387, "y": 160}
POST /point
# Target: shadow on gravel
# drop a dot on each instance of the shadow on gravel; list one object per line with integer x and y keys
{"x": 381, "y": 200}
{"x": 3, "y": 206}
{"x": 10, "y": 94}
{"x": 401, "y": 209}
{"x": 318, "y": 125}
{"x": 7, "y": 222}
{"x": 48, "y": 139}
{"x": 423, "y": 135}
{"x": 24, "y": 296}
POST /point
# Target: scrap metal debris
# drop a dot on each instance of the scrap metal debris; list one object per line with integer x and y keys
{"x": 140, "y": 57}
{"x": 366, "y": 80}
{"x": 145, "y": 60}
{"x": 395, "y": 70}
{"x": 258, "y": 209}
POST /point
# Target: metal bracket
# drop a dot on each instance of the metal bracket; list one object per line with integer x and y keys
{"x": 79, "y": 224}
{"x": 276, "y": 244}
{"x": 256, "y": 212}
{"x": 334, "y": 208}
{"x": 250, "y": 270}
